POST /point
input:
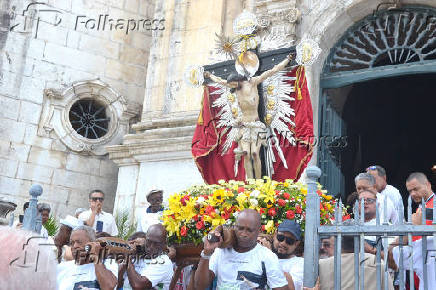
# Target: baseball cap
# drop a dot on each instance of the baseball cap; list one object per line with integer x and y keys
{"x": 290, "y": 226}
{"x": 71, "y": 222}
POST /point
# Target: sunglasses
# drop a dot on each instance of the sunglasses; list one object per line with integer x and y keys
{"x": 368, "y": 200}
{"x": 97, "y": 198}
{"x": 371, "y": 168}
{"x": 290, "y": 241}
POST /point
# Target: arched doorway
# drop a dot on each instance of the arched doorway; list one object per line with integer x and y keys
{"x": 378, "y": 88}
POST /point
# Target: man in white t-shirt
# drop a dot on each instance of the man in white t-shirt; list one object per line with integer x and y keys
{"x": 154, "y": 269}
{"x": 96, "y": 218}
{"x": 379, "y": 173}
{"x": 285, "y": 242}
{"x": 365, "y": 181}
{"x": 245, "y": 265}
{"x": 153, "y": 213}
{"x": 86, "y": 271}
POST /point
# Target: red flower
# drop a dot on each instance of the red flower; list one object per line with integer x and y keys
{"x": 183, "y": 231}
{"x": 319, "y": 192}
{"x": 281, "y": 202}
{"x": 263, "y": 227}
{"x": 298, "y": 209}
{"x": 241, "y": 189}
{"x": 286, "y": 195}
{"x": 195, "y": 217}
{"x": 290, "y": 214}
{"x": 225, "y": 215}
{"x": 199, "y": 225}
{"x": 209, "y": 209}
{"x": 277, "y": 192}
{"x": 346, "y": 217}
{"x": 272, "y": 212}
{"x": 261, "y": 210}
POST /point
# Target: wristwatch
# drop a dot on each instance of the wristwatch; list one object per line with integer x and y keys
{"x": 204, "y": 256}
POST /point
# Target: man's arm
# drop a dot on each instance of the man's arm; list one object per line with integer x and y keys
{"x": 219, "y": 80}
{"x": 290, "y": 281}
{"x": 105, "y": 278}
{"x": 275, "y": 69}
{"x": 137, "y": 281}
{"x": 203, "y": 275}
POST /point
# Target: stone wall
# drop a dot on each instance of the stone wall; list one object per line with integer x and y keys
{"x": 51, "y": 50}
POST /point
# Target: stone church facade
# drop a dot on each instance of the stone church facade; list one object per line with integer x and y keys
{"x": 137, "y": 77}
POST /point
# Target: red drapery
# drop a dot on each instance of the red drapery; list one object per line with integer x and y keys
{"x": 208, "y": 139}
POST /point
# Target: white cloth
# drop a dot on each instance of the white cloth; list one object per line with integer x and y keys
{"x": 145, "y": 220}
{"x": 374, "y": 238}
{"x": 416, "y": 250}
{"x": 394, "y": 195}
{"x": 44, "y": 232}
{"x": 295, "y": 267}
{"x": 109, "y": 225}
{"x": 72, "y": 276}
{"x": 391, "y": 213}
{"x": 233, "y": 269}
{"x": 158, "y": 271}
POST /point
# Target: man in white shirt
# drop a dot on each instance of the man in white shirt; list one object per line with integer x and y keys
{"x": 96, "y": 218}
{"x": 153, "y": 213}
{"x": 365, "y": 181}
{"x": 154, "y": 268}
{"x": 379, "y": 173}
{"x": 286, "y": 240}
{"x": 245, "y": 265}
{"x": 86, "y": 271}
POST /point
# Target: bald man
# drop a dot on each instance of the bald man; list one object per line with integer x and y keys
{"x": 156, "y": 268}
{"x": 246, "y": 265}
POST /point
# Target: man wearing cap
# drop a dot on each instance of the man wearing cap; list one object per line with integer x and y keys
{"x": 383, "y": 187}
{"x": 62, "y": 239}
{"x": 96, "y": 218}
{"x": 153, "y": 213}
{"x": 286, "y": 240}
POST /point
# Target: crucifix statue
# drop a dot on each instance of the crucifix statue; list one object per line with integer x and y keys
{"x": 248, "y": 121}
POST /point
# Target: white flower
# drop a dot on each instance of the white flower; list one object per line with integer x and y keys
{"x": 254, "y": 202}
{"x": 200, "y": 200}
{"x": 255, "y": 193}
{"x": 235, "y": 214}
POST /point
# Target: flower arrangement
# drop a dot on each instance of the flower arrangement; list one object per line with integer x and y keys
{"x": 192, "y": 213}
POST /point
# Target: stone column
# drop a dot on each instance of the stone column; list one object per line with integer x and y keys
{"x": 157, "y": 156}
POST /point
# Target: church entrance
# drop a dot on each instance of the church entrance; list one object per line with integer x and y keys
{"x": 389, "y": 122}
{"x": 378, "y": 99}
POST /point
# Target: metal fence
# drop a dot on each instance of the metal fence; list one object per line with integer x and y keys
{"x": 382, "y": 230}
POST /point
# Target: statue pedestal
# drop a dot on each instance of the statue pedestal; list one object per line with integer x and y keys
{"x": 157, "y": 156}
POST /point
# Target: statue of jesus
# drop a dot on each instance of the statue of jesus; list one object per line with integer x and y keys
{"x": 247, "y": 96}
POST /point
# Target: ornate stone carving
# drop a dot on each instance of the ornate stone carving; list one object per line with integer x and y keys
{"x": 56, "y": 117}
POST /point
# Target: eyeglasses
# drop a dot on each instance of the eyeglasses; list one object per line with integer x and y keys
{"x": 97, "y": 198}
{"x": 368, "y": 200}
{"x": 325, "y": 245}
{"x": 290, "y": 241}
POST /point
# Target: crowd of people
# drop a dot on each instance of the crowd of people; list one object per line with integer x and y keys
{"x": 250, "y": 260}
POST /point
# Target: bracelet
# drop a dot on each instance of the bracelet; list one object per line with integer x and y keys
{"x": 204, "y": 256}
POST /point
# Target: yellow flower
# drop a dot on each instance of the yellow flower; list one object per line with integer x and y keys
{"x": 241, "y": 198}
{"x": 269, "y": 227}
{"x": 218, "y": 196}
{"x": 304, "y": 190}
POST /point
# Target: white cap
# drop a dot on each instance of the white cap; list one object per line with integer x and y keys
{"x": 71, "y": 222}
{"x": 153, "y": 191}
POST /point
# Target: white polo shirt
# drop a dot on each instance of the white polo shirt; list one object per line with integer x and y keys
{"x": 394, "y": 195}
{"x": 109, "y": 225}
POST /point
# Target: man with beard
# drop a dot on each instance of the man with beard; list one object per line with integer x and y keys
{"x": 286, "y": 240}
{"x": 245, "y": 265}
{"x": 154, "y": 269}
{"x": 86, "y": 271}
